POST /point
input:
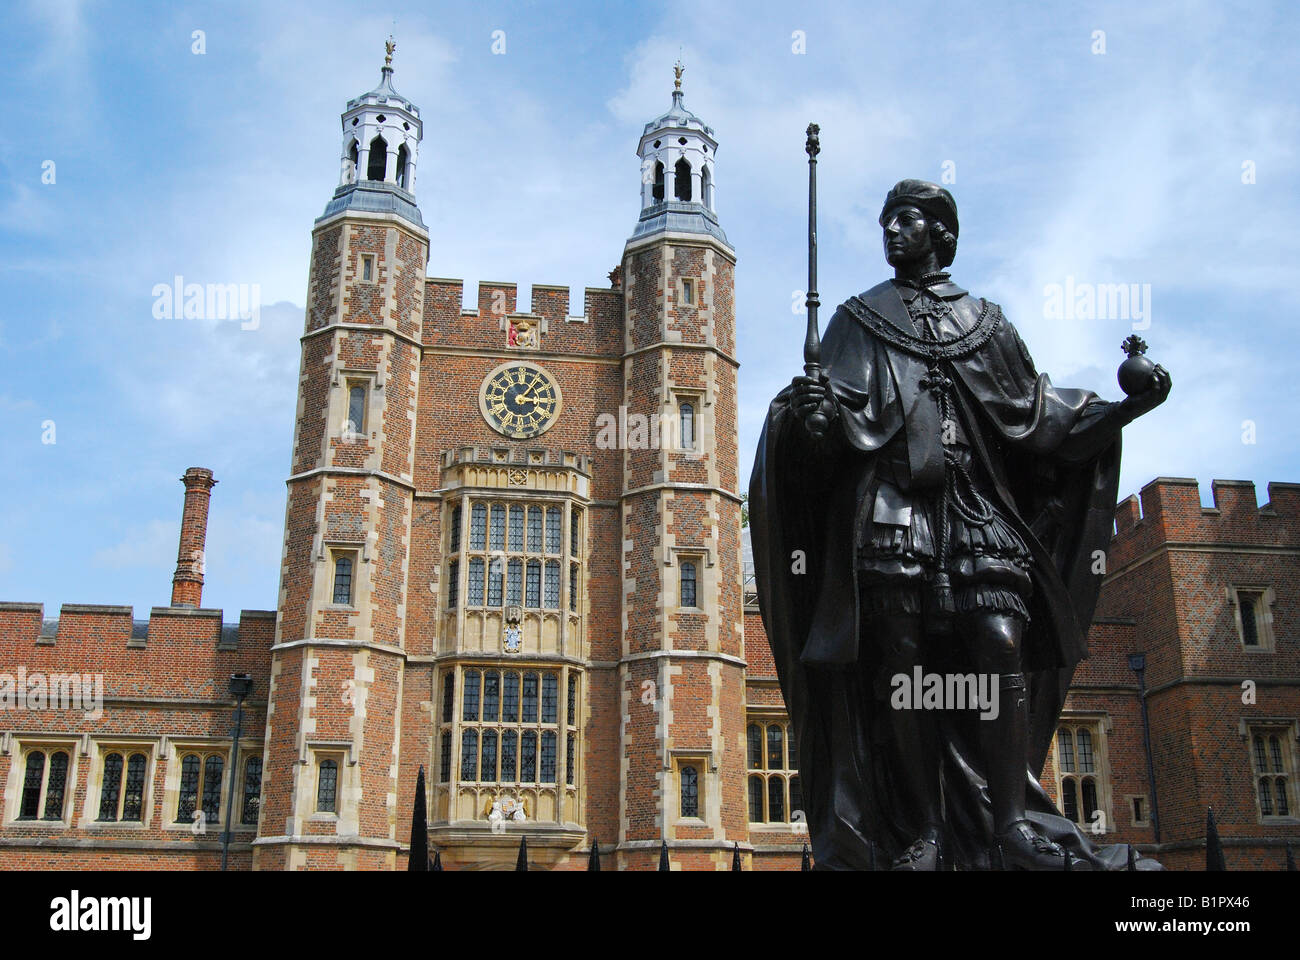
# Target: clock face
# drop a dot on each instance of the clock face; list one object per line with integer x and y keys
{"x": 520, "y": 400}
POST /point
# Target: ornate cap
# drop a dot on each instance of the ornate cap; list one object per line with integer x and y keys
{"x": 926, "y": 196}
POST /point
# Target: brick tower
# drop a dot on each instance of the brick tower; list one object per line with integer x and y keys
{"x": 682, "y": 663}
{"x": 334, "y": 717}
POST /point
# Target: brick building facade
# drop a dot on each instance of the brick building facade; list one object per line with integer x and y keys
{"x": 513, "y": 557}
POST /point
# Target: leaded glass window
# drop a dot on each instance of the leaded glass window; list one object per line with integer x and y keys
{"x": 776, "y": 799}
{"x": 509, "y": 755}
{"x": 212, "y": 768}
{"x": 456, "y": 513}
{"x": 528, "y": 757}
{"x": 491, "y": 695}
{"x": 1083, "y": 739}
{"x": 549, "y": 684}
{"x": 487, "y": 771}
{"x": 448, "y": 696}
{"x": 552, "y": 584}
{"x": 534, "y": 529}
{"x": 515, "y": 581}
{"x": 548, "y": 757}
{"x": 133, "y": 795}
{"x": 469, "y": 755}
{"x": 189, "y": 789}
{"x": 509, "y": 537}
{"x": 510, "y": 727}
{"x": 775, "y": 747}
{"x": 343, "y": 580}
{"x": 530, "y": 698}
{"x": 1274, "y": 779}
{"x": 33, "y": 780}
{"x": 533, "y": 594}
{"x": 497, "y": 535}
{"x": 478, "y": 527}
{"x": 496, "y": 572}
{"x": 516, "y": 527}
{"x": 475, "y": 592}
{"x": 1079, "y": 773}
{"x": 469, "y": 700}
{"x": 453, "y": 583}
{"x": 690, "y": 792}
{"x": 111, "y": 787}
{"x": 55, "y": 786}
{"x": 1249, "y": 603}
{"x": 773, "y": 791}
{"x": 1065, "y": 751}
{"x": 554, "y": 516}
{"x": 510, "y": 698}
{"x": 252, "y": 791}
{"x": 688, "y": 583}
{"x": 327, "y": 786}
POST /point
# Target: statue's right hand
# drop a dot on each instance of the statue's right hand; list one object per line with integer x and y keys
{"x": 811, "y": 397}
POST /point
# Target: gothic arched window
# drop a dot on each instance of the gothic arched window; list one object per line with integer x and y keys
{"x": 706, "y": 187}
{"x": 354, "y": 158}
{"x": 403, "y": 155}
{"x": 378, "y": 162}
{"x": 657, "y": 191}
{"x": 682, "y": 180}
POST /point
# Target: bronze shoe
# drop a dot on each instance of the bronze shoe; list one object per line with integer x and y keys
{"x": 922, "y": 857}
{"x": 1023, "y": 848}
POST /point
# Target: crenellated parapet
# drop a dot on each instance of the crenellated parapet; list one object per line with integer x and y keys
{"x": 1170, "y": 512}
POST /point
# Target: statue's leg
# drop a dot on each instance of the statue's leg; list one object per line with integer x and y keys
{"x": 1004, "y": 737}
{"x": 1004, "y": 745}
{"x": 913, "y": 740}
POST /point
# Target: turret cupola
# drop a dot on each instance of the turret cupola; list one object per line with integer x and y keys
{"x": 677, "y": 179}
{"x": 381, "y": 147}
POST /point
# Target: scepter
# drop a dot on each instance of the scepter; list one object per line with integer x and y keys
{"x": 812, "y": 344}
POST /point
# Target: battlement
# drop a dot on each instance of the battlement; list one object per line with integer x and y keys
{"x": 107, "y": 625}
{"x": 178, "y": 653}
{"x": 1169, "y": 511}
{"x": 500, "y": 320}
{"x": 549, "y": 302}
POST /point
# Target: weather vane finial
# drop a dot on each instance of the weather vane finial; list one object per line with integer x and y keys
{"x": 389, "y": 46}
{"x": 678, "y": 70}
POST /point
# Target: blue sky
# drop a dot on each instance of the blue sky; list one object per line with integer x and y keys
{"x": 1122, "y": 166}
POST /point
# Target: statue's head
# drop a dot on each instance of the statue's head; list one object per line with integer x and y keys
{"x": 919, "y": 217}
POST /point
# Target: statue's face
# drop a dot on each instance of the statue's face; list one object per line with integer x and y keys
{"x": 907, "y": 235}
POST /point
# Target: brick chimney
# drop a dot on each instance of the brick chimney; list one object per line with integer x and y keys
{"x": 187, "y": 584}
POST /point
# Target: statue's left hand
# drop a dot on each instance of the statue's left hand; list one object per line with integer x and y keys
{"x": 1156, "y": 393}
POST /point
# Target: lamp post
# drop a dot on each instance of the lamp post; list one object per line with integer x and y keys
{"x": 1137, "y": 662}
{"x": 241, "y": 685}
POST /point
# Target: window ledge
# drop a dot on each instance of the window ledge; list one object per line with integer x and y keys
{"x": 113, "y": 825}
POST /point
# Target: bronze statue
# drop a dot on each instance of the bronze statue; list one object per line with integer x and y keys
{"x": 927, "y": 502}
